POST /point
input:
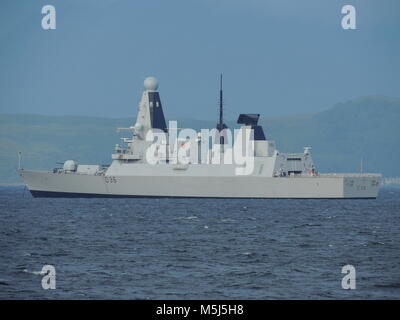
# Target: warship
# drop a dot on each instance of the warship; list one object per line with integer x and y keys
{"x": 265, "y": 172}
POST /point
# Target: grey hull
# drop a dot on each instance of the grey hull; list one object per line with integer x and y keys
{"x": 49, "y": 184}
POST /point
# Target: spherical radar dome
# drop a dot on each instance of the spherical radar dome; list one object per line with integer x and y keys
{"x": 70, "y": 165}
{"x": 150, "y": 83}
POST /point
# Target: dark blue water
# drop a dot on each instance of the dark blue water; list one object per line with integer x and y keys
{"x": 199, "y": 248}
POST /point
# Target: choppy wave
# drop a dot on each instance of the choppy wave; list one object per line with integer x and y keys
{"x": 199, "y": 248}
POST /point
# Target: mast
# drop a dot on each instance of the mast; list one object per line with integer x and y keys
{"x": 221, "y": 125}
{"x": 19, "y": 160}
{"x": 221, "y": 114}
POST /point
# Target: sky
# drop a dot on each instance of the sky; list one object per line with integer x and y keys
{"x": 277, "y": 57}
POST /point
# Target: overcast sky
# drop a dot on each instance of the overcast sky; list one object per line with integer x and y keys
{"x": 278, "y": 57}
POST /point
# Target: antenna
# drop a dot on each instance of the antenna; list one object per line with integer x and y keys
{"x": 361, "y": 165}
{"x": 221, "y": 125}
{"x": 19, "y": 160}
{"x": 221, "y": 103}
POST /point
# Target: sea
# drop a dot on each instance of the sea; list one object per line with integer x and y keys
{"x": 199, "y": 248}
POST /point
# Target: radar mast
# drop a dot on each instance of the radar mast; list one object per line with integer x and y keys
{"x": 221, "y": 125}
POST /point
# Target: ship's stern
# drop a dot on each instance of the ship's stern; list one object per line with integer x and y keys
{"x": 361, "y": 185}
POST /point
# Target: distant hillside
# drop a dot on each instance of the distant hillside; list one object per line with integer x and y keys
{"x": 367, "y": 127}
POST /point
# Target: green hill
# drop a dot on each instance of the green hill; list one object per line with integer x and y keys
{"x": 367, "y": 127}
